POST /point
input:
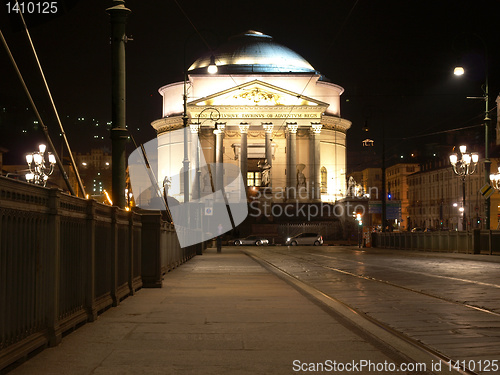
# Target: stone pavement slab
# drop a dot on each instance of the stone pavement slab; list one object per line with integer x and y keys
{"x": 216, "y": 314}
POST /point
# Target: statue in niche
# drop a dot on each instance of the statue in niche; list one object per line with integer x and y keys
{"x": 265, "y": 170}
{"x": 301, "y": 178}
{"x": 207, "y": 186}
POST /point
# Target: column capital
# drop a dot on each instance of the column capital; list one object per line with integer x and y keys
{"x": 316, "y": 127}
{"x": 244, "y": 128}
{"x": 195, "y": 128}
{"x": 268, "y": 127}
{"x": 219, "y": 127}
{"x": 292, "y": 127}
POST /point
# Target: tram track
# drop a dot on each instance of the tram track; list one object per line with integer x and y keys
{"x": 411, "y": 347}
{"x": 370, "y": 278}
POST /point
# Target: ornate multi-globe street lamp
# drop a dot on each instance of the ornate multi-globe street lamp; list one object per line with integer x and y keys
{"x": 495, "y": 182}
{"x": 495, "y": 179}
{"x": 41, "y": 165}
{"x": 464, "y": 167}
{"x": 459, "y": 71}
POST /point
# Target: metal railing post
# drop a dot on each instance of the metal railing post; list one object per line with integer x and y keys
{"x": 91, "y": 271}
{"x": 54, "y": 256}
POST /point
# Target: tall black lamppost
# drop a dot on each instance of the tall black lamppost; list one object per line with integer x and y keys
{"x": 118, "y": 13}
{"x": 458, "y": 71}
{"x": 463, "y": 167}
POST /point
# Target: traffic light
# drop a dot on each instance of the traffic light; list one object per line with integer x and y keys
{"x": 359, "y": 218}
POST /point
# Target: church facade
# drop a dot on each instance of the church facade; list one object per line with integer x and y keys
{"x": 267, "y": 111}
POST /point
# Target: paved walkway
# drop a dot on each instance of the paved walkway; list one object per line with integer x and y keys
{"x": 216, "y": 314}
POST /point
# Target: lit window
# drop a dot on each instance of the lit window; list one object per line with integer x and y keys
{"x": 254, "y": 178}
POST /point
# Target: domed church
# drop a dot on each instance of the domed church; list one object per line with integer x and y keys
{"x": 265, "y": 110}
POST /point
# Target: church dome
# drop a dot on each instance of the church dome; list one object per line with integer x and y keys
{"x": 253, "y": 52}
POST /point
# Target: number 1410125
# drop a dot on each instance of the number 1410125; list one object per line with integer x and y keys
{"x": 32, "y": 7}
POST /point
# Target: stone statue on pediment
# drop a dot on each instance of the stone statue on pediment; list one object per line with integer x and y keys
{"x": 351, "y": 187}
{"x": 166, "y": 185}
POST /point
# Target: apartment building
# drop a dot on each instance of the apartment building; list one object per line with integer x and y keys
{"x": 436, "y": 201}
{"x": 397, "y": 188}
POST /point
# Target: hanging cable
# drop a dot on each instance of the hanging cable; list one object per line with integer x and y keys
{"x": 44, "y": 128}
{"x": 75, "y": 167}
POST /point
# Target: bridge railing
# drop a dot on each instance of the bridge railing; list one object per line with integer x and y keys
{"x": 63, "y": 260}
{"x": 476, "y": 241}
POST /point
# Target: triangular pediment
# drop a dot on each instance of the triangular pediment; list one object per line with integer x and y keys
{"x": 257, "y": 93}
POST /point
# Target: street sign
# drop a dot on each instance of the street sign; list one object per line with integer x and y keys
{"x": 209, "y": 211}
{"x": 486, "y": 191}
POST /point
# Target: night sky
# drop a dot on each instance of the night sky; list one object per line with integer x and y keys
{"x": 394, "y": 59}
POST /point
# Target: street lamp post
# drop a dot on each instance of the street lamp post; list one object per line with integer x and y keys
{"x": 212, "y": 69}
{"x": 119, "y": 134}
{"x": 40, "y": 170}
{"x": 463, "y": 167}
{"x": 458, "y": 71}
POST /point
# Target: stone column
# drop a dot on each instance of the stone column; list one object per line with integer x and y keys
{"x": 195, "y": 157}
{"x": 315, "y": 161}
{"x": 291, "y": 167}
{"x": 219, "y": 155}
{"x": 268, "y": 128}
{"x": 244, "y": 152}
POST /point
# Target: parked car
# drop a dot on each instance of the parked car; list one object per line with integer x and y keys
{"x": 251, "y": 240}
{"x": 305, "y": 239}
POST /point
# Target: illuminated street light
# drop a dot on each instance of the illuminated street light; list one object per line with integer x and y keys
{"x": 41, "y": 165}
{"x": 212, "y": 68}
{"x": 458, "y": 71}
{"x": 495, "y": 179}
{"x": 464, "y": 167}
